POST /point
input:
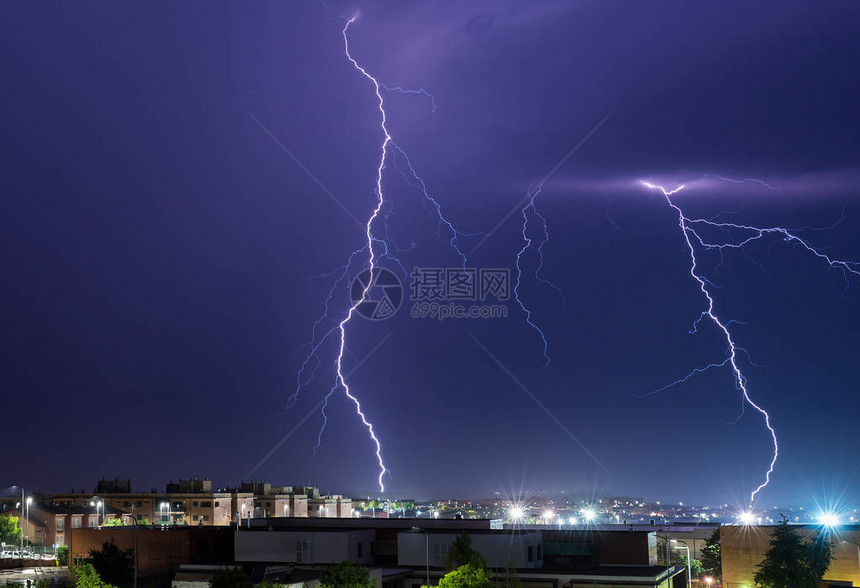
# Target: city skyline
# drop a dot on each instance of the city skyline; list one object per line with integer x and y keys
{"x": 185, "y": 187}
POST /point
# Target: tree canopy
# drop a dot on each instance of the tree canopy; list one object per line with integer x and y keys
{"x": 467, "y": 576}
{"x": 711, "y": 558}
{"x": 346, "y": 575}
{"x": 111, "y": 563}
{"x": 230, "y": 578}
{"x": 86, "y": 576}
{"x": 792, "y": 563}
{"x": 461, "y": 553}
{"x": 10, "y": 532}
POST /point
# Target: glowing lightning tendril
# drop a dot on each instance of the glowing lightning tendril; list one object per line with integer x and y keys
{"x": 687, "y": 226}
{"x": 527, "y": 243}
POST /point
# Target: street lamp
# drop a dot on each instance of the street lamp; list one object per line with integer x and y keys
{"x": 829, "y": 519}
{"x": 689, "y": 570}
{"x": 27, "y": 517}
{"x": 588, "y": 514}
{"x": 426, "y": 551}
{"x": 98, "y": 504}
{"x": 162, "y": 507}
{"x": 746, "y": 518}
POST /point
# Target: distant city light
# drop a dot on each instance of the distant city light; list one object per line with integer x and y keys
{"x": 516, "y": 513}
{"x": 588, "y": 514}
{"x": 746, "y": 518}
{"x": 572, "y": 520}
{"x": 548, "y": 515}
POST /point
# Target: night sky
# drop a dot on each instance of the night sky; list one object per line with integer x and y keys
{"x": 164, "y": 259}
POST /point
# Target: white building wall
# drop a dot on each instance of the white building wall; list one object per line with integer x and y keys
{"x": 319, "y": 547}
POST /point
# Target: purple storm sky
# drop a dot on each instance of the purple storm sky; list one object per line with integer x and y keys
{"x": 161, "y": 253}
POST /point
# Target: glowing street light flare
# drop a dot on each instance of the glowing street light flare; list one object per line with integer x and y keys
{"x": 747, "y": 518}
{"x": 828, "y": 519}
{"x": 588, "y": 514}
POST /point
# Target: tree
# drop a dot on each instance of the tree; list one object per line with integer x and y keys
{"x": 230, "y": 578}
{"x": 10, "y": 532}
{"x": 346, "y": 575}
{"x": 63, "y": 555}
{"x": 112, "y": 563}
{"x": 695, "y": 566}
{"x": 113, "y": 522}
{"x": 791, "y": 562}
{"x": 461, "y": 553}
{"x": 86, "y": 576}
{"x": 712, "y": 563}
{"x": 467, "y": 576}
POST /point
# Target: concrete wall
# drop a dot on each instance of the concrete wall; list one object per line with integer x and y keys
{"x": 327, "y": 547}
{"x": 743, "y": 548}
{"x": 498, "y": 548}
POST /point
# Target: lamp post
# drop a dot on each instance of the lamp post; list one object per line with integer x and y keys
{"x": 135, "y": 545}
{"x": 689, "y": 567}
{"x": 27, "y": 517}
{"x": 21, "y": 553}
{"x": 426, "y": 551}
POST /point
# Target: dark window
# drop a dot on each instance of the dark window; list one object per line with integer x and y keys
{"x": 195, "y": 504}
{"x": 194, "y": 518}
{"x": 305, "y": 551}
{"x": 216, "y": 503}
{"x": 207, "y": 504}
{"x": 540, "y": 552}
{"x": 531, "y": 553}
{"x": 360, "y": 549}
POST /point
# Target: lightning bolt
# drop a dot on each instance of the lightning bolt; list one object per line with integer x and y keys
{"x": 527, "y": 209}
{"x": 340, "y": 381}
{"x": 748, "y": 234}
{"x": 420, "y": 91}
{"x": 374, "y": 248}
{"x": 745, "y": 181}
